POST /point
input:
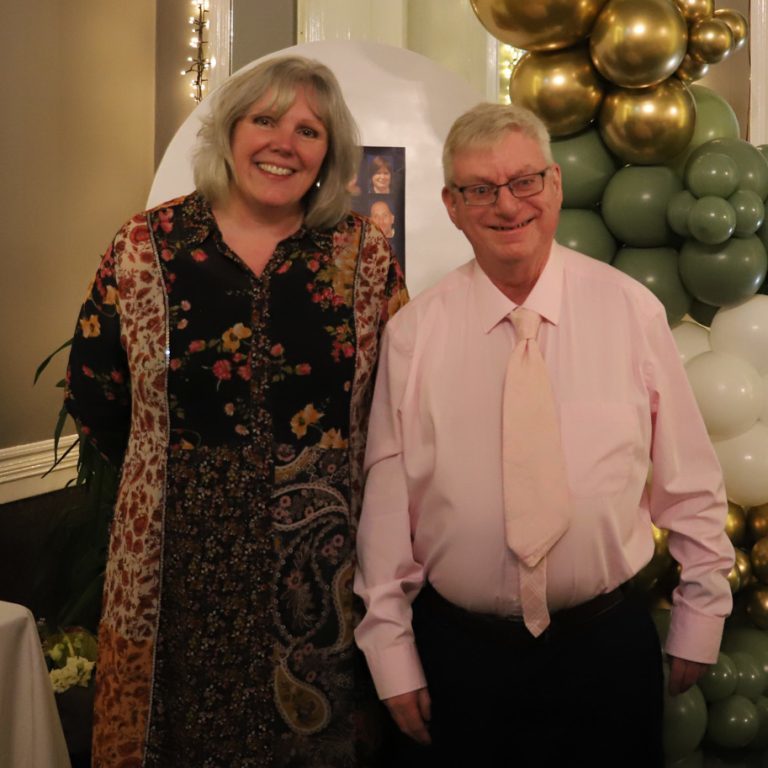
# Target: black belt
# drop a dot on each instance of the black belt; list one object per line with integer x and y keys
{"x": 563, "y": 621}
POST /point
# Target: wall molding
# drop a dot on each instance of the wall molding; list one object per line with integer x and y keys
{"x": 22, "y": 468}
{"x": 758, "y": 97}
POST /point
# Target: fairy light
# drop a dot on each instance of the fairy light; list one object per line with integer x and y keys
{"x": 508, "y": 60}
{"x": 199, "y": 64}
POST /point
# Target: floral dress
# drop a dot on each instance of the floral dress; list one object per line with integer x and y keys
{"x": 236, "y": 406}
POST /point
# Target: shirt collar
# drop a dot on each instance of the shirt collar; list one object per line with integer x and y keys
{"x": 545, "y": 298}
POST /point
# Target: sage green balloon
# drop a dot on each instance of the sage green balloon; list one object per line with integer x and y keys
{"x": 761, "y": 739}
{"x": 750, "y": 212}
{"x": 685, "y": 722}
{"x": 712, "y": 173}
{"x": 715, "y": 119}
{"x": 752, "y": 164}
{"x": 634, "y": 206}
{"x": 656, "y": 269}
{"x": 694, "y": 760}
{"x": 584, "y": 231}
{"x": 732, "y": 722}
{"x": 723, "y": 274}
{"x": 750, "y": 639}
{"x": 678, "y": 208}
{"x": 720, "y": 680}
{"x": 586, "y": 165}
{"x": 711, "y": 220}
{"x": 701, "y": 312}
{"x": 751, "y": 677}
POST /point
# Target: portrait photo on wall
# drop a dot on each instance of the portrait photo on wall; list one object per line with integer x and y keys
{"x": 379, "y": 193}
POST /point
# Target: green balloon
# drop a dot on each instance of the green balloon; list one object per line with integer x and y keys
{"x": 752, "y": 165}
{"x": 656, "y": 269}
{"x": 586, "y": 165}
{"x": 750, "y": 212}
{"x": 720, "y": 680}
{"x": 712, "y": 174}
{"x": 723, "y": 274}
{"x": 678, "y": 208}
{"x": 702, "y": 312}
{"x": 635, "y": 204}
{"x": 715, "y": 119}
{"x": 751, "y": 678}
{"x": 732, "y": 722}
{"x": 749, "y": 639}
{"x": 711, "y": 220}
{"x": 761, "y": 740}
{"x": 694, "y": 760}
{"x": 585, "y": 231}
{"x": 685, "y": 722}
{"x": 763, "y": 149}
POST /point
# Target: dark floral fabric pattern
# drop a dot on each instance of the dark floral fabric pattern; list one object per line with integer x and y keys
{"x": 266, "y": 383}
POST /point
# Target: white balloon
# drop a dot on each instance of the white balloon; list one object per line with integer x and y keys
{"x": 764, "y": 412}
{"x": 691, "y": 338}
{"x": 742, "y": 330}
{"x": 744, "y": 460}
{"x": 729, "y": 391}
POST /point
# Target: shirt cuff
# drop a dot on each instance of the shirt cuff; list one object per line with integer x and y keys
{"x": 694, "y": 636}
{"x": 396, "y": 670}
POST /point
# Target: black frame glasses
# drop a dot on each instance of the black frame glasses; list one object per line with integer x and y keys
{"x": 527, "y": 185}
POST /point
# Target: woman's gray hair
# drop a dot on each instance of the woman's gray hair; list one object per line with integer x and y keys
{"x": 212, "y": 164}
{"x": 485, "y": 125}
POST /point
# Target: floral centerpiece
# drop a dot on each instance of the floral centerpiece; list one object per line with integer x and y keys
{"x": 71, "y": 658}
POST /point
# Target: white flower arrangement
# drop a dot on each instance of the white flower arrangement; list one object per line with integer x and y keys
{"x": 71, "y": 659}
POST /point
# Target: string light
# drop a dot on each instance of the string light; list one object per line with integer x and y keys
{"x": 508, "y": 60}
{"x": 199, "y": 64}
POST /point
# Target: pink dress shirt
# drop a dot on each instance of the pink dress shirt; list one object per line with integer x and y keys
{"x": 433, "y": 503}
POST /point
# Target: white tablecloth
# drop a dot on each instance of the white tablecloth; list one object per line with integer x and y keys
{"x": 30, "y": 729}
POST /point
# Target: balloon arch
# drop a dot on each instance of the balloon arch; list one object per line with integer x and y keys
{"x": 657, "y": 182}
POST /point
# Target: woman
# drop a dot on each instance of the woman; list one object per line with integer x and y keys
{"x": 224, "y": 358}
{"x": 381, "y": 175}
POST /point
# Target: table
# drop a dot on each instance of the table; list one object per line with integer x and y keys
{"x": 30, "y": 729}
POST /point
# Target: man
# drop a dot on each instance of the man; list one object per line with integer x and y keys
{"x": 383, "y": 218}
{"x": 461, "y": 669}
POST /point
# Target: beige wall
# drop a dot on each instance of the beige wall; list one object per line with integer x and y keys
{"x": 76, "y": 152}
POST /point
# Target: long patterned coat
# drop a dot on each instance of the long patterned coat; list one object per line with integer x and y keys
{"x": 236, "y": 406}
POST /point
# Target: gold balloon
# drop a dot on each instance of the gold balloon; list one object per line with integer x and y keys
{"x": 648, "y": 126}
{"x": 734, "y": 580}
{"x": 693, "y": 10}
{"x": 757, "y": 522}
{"x": 544, "y": 25}
{"x": 744, "y": 566}
{"x": 561, "y": 87}
{"x": 637, "y": 43}
{"x": 759, "y": 558}
{"x": 757, "y": 606}
{"x": 691, "y": 69}
{"x": 710, "y": 40}
{"x": 736, "y": 524}
{"x": 738, "y": 24}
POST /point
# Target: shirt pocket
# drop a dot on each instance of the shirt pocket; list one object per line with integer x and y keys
{"x": 602, "y": 443}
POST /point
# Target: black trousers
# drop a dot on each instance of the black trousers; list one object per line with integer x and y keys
{"x": 587, "y": 694}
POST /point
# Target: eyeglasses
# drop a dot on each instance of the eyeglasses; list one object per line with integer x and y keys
{"x": 487, "y": 194}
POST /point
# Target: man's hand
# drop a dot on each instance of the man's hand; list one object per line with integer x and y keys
{"x": 683, "y": 674}
{"x": 411, "y": 712}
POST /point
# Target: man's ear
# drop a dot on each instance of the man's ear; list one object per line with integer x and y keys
{"x": 449, "y": 201}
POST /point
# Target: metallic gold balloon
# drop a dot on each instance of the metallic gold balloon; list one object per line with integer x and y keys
{"x": 759, "y": 557}
{"x": 691, "y": 69}
{"x": 648, "y": 126}
{"x": 544, "y": 25}
{"x": 561, "y": 87}
{"x": 637, "y": 43}
{"x": 757, "y": 522}
{"x": 710, "y": 40}
{"x": 734, "y": 580}
{"x": 757, "y": 606}
{"x": 736, "y": 524}
{"x": 693, "y": 10}
{"x": 744, "y": 566}
{"x": 738, "y": 24}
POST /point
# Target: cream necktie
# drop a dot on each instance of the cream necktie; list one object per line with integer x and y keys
{"x": 536, "y": 499}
